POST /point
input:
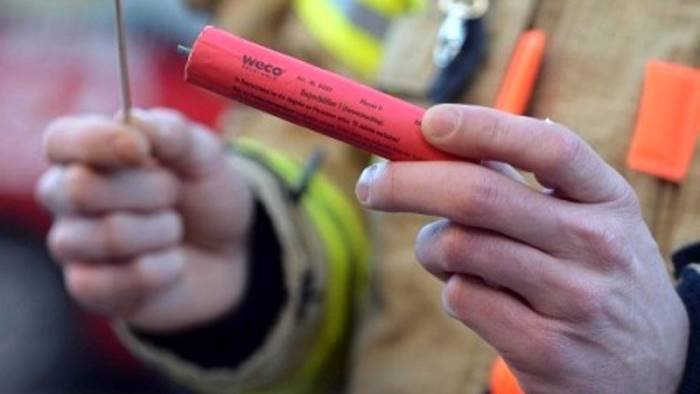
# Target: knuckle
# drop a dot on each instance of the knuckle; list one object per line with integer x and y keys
{"x": 566, "y": 149}
{"x": 592, "y": 234}
{"x": 60, "y": 242}
{"x": 79, "y": 185}
{"x": 490, "y": 135}
{"x": 46, "y": 187}
{"x": 208, "y": 140}
{"x": 482, "y": 194}
{"x": 441, "y": 248}
{"x": 586, "y": 302}
{"x": 145, "y": 280}
{"x": 453, "y": 296}
{"x": 454, "y": 242}
{"x": 43, "y": 191}
{"x": 90, "y": 293}
{"x": 54, "y": 130}
{"x": 451, "y": 247}
{"x": 540, "y": 353}
{"x": 80, "y": 287}
{"x": 175, "y": 225}
{"x": 206, "y": 148}
{"x": 630, "y": 200}
{"x": 113, "y": 232}
{"x": 602, "y": 240}
{"x": 167, "y": 185}
{"x": 103, "y": 290}
{"x": 199, "y": 150}
{"x": 166, "y": 130}
{"x": 552, "y": 349}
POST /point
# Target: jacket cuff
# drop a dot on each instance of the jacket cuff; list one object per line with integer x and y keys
{"x": 689, "y": 291}
{"x": 292, "y": 334}
{"x": 685, "y": 256}
{"x": 232, "y": 339}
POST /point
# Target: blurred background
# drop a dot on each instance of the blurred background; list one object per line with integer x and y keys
{"x": 58, "y": 57}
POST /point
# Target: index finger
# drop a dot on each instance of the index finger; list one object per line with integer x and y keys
{"x": 559, "y": 158}
{"x": 94, "y": 140}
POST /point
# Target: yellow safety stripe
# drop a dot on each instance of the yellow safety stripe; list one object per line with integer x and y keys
{"x": 336, "y": 204}
{"x": 393, "y": 8}
{"x": 356, "y": 233}
{"x": 353, "y": 30}
{"x": 341, "y": 230}
{"x": 349, "y": 218}
{"x": 352, "y": 45}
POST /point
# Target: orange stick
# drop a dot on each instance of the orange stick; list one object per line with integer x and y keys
{"x": 668, "y": 122}
{"x": 519, "y": 82}
{"x": 502, "y": 380}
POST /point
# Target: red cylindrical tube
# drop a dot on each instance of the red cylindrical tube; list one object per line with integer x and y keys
{"x": 309, "y": 96}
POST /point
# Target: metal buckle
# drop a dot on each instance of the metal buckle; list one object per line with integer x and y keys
{"x": 452, "y": 32}
{"x": 467, "y": 9}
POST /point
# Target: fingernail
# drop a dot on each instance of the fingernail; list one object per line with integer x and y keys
{"x": 365, "y": 182}
{"x": 131, "y": 148}
{"x": 162, "y": 269}
{"x": 440, "y": 121}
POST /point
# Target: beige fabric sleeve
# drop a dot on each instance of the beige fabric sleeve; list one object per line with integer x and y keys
{"x": 290, "y": 338}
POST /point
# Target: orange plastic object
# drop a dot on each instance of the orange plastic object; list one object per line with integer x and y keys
{"x": 668, "y": 123}
{"x": 519, "y": 82}
{"x": 502, "y": 380}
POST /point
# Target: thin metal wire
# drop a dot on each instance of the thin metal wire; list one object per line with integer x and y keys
{"x": 123, "y": 61}
{"x": 184, "y": 50}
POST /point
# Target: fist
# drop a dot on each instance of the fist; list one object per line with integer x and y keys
{"x": 151, "y": 220}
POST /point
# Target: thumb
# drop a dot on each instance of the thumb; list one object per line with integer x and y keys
{"x": 190, "y": 149}
{"x": 94, "y": 141}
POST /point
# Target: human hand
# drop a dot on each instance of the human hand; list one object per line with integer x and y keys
{"x": 151, "y": 221}
{"x": 566, "y": 283}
